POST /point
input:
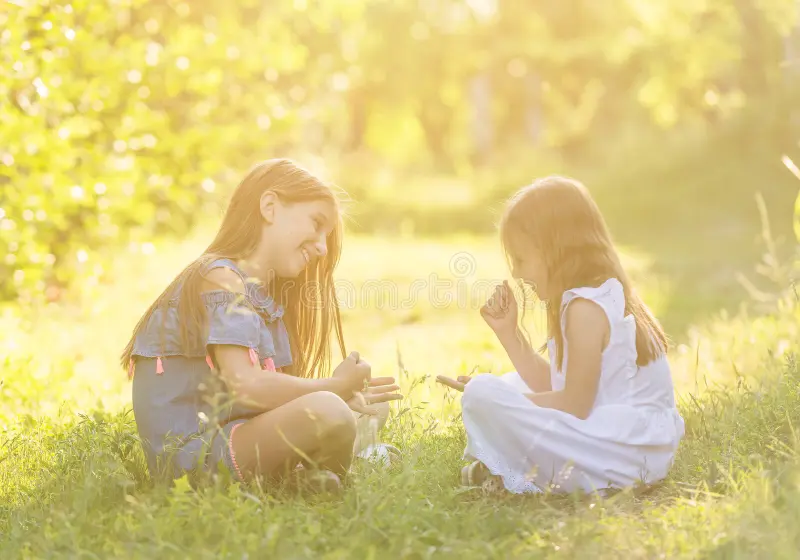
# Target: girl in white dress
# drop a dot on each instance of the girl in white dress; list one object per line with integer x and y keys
{"x": 602, "y": 413}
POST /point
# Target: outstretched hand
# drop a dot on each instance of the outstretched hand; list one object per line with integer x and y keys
{"x": 458, "y": 383}
{"x": 378, "y": 390}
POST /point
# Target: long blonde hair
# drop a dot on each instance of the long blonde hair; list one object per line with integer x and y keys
{"x": 309, "y": 325}
{"x": 557, "y": 217}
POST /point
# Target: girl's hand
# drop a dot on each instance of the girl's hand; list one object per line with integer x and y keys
{"x": 382, "y": 389}
{"x": 459, "y": 384}
{"x": 500, "y": 311}
{"x": 358, "y": 403}
{"x": 353, "y": 374}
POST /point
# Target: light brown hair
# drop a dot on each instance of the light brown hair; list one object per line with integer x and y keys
{"x": 557, "y": 217}
{"x": 309, "y": 324}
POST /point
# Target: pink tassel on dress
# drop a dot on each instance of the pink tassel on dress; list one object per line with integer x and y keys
{"x": 253, "y": 356}
{"x": 210, "y": 362}
{"x": 159, "y": 366}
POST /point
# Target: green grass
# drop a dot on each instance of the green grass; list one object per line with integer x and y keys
{"x": 73, "y": 482}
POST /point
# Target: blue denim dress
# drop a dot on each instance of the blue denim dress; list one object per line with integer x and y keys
{"x": 183, "y": 410}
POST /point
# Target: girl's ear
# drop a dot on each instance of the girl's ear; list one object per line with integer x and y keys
{"x": 268, "y": 204}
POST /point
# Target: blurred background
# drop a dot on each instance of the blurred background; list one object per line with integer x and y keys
{"x": 124, "y": 126}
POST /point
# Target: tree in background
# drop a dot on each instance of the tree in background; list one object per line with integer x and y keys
{"x": 126, "y": 118}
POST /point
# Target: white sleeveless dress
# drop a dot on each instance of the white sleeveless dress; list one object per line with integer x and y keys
{"x": 630, "y": 436}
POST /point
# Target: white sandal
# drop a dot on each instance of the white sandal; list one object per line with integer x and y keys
{"x": 476, "y": 475}
{"x": 381, "y": 453}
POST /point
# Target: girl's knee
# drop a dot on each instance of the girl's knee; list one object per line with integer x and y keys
{"x": 481, "y": 389}
{"x": 333, "y": 415}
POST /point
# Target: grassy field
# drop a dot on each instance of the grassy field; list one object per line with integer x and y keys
{"x": 73, "y": 484}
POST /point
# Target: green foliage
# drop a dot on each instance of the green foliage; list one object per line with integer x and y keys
{"x": 131, "y": 118}
{"x": 75, "y": 484}
{"x": 121, "y": 115}
{"x": 91, "y": 148}
{"x": 80, "y": 488}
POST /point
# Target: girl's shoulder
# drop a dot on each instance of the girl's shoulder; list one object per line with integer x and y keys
{"x": 611, "y": 286}
{"x": 237, "y": 312}
{"x": 610, "y": 295}
{"x": 226, "y": 283}
{"x": 223, "y": 275}
{"x": 224, "y": 264}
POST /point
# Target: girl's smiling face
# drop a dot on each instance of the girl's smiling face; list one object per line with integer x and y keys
{"x": 296, "y": 233}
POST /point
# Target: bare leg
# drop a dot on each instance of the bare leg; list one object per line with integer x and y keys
{"x": 368, "y": 427}
{"x": 317, "y": 428}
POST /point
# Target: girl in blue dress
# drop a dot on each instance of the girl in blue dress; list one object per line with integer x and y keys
{"x": 229, "y": 364}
